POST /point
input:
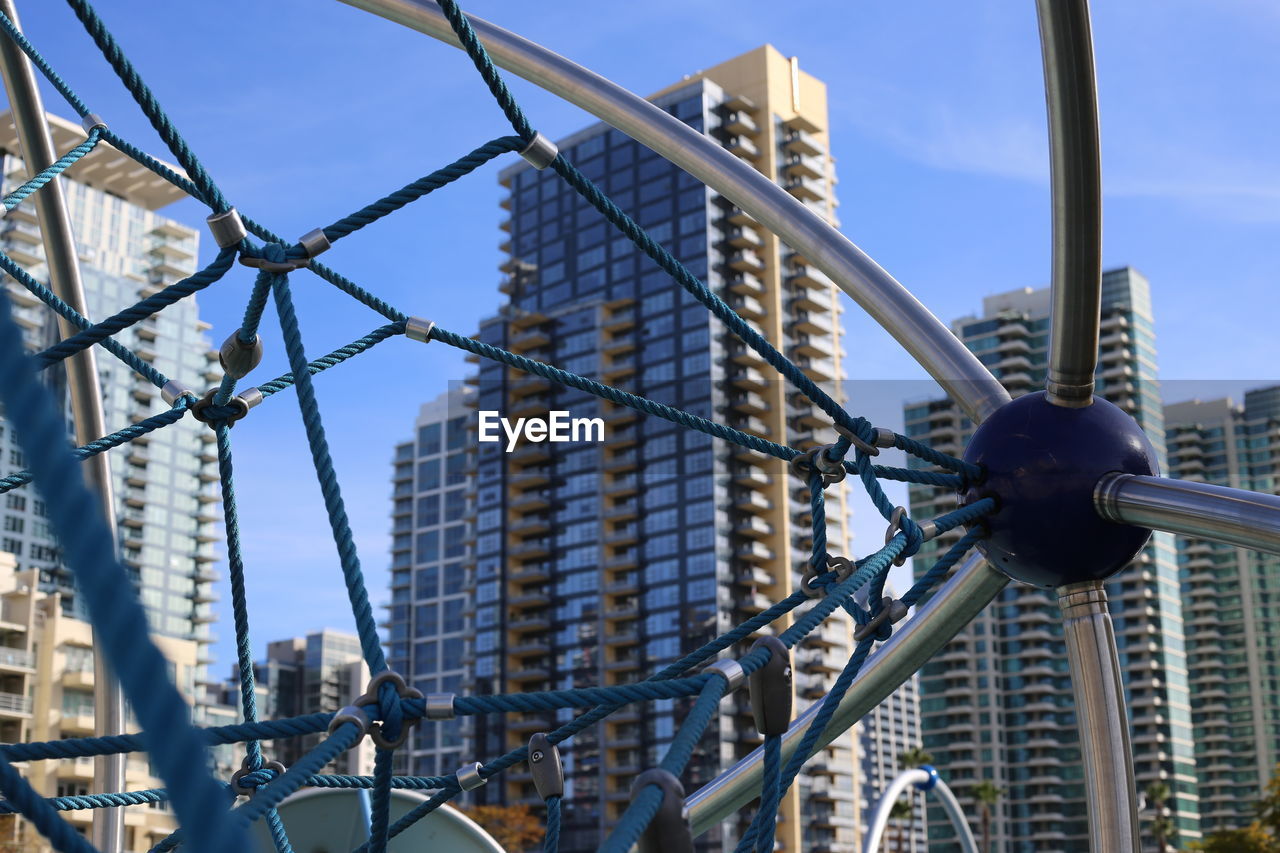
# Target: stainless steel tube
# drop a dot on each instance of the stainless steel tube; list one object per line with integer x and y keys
{"x": 82, "y": 383}
{"x": 1106, "y": 753}
{"x": 905, "y": 779}
{"x": 954, "y": 605}
{"x": 1076, "y": 178}
{"x": 965, "y": 379}
{"x": 1234, "y": 516}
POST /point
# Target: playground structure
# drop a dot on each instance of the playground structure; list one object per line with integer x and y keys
{"x": 926, "y": 779}
{"x": 1107, "y": 494}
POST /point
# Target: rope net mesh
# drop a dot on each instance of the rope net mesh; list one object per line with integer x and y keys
{"x": 210, "y": 816}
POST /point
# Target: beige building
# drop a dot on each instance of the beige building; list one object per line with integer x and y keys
{"x": 46, "y": 693}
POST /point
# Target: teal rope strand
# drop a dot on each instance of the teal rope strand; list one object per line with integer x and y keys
{"x": 59, "y": 166}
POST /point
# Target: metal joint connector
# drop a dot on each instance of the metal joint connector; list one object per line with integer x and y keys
{"x": 314, "y": 242}
{"x": 892, "y": 612}
{"x": 279, "y": 267}
{"x": 843, "y": 567}
{"x": 895, "y": 525}
{"x": 469, "y": 777}
{"x": 173, "y": 389}
{"x": 200, "y": 409}
{"x": 545, "y": 766}
{"x": 418, "y": 329}
{"x": 771, "y": 688}
{"x": 92, "y": 121}
{"x": 928, "y": 529}
{"x": 238, "y": 356}
{"x": 250, "y": 397}
{"x": 440, "y": 706}
{"x": 370, "y": 697}
{"x": 350, "y": 714}
{"x": 669, "y": 830}
{"x": 540, "y": 152}
{"x": 249, "y": 790}
{"x": 815, "y": 460}
{"x": 885, "y": 437}
{"x": 227, "y": 228}
{"x": 730, "y": 670}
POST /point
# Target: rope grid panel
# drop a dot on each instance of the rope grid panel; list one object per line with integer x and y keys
{"x": 178, "y": 748}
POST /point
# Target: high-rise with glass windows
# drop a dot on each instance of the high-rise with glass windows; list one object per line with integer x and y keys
{"x": 163, "y": 482}
{"x": 1231, "y": 597}
{"x": 430, "y": 597}
{"x": 996, "y": 701}
{"x": 599, "y": 562}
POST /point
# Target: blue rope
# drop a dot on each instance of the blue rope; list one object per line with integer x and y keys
{"x": 59, "y": 166}
{"x": 88, "y": 548}
{"x": 551, "y": 842}
{"x": 380, "y": 803}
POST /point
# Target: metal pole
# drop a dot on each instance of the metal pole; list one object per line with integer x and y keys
{"x": 82, "y": 384}
{"x": 1235, "y": 516}
{"x": 954, "y": 605}
{"x": 1105, "y": 750}
{"x": 1076, "y": 174}
{"x": 934, "y": 347}
{"x": 919, "y": 777}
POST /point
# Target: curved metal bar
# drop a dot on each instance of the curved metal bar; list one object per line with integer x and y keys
{"x": 82, "y": 384}
{"x": 1076, "y": 172}
{"x": 1105, "y": 748}
{"x": 919, "y": 778}
{"x": 1235, "y": 516}
{"x": 973, "y": 586}
{"x": 933, "y": 346}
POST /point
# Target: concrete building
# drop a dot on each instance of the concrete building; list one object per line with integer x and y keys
{"x": 165, "y": 482}
{"x": 996, "y": 702}
{"x": 46, "y": 675}
{"x": 323, "y": 671}
{"x": 429, "y": 620}
{"x": 597, "y": 562}
{"x": 1230, "y": 599}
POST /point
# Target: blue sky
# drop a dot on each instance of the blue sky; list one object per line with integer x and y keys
{"x": 304, "y": 110}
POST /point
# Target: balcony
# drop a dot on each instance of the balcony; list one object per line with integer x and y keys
{"x": 812, "y": 324}
{"x": 804, "y": 166}
{"x": 743, "y": 238}
{"x": 805, "y": 189}
{"x": 797, "y": 141}
{"x": 738, "y": 123}
{"x": 19, "y": 659}
{"x": 745, "y": 260}
{"x": 742, "y": 146}
{"x": 745, "y": 283}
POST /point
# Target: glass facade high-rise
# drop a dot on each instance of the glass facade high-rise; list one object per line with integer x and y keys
{"x": 597, "y": 563}
{"x": 1231, "y": 597}
{"x": 996, "y": 702}
{"x": 163, "y": 482}
{"x": 431, "y": 598}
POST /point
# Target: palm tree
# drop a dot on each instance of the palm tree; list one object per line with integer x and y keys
{"x": 986, "y": 793}
{"x": 908, "y": 758}
{"x": 1161, "y": 822}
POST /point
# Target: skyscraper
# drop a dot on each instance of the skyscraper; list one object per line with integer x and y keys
{"x": 163, "y": 482}
{"x": 1230, "y": 598}
{"x": 996, "y": 702}
{"x": 430, "y": 596}
{"x": 322, "y": 671}
{"x": 598, "y": 562}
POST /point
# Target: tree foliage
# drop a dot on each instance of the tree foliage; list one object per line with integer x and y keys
{"x": 515, "y": 828}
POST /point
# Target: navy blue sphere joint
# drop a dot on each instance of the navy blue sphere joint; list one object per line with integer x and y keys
{"x": 1042, "y": 463}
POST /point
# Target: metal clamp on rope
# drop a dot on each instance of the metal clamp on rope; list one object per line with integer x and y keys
{"x": 350, "y": 714}
{"x": 816, "y": 460}
{"x": 730, "y": 670}
{"x": 541, "y": 152}
{"x": 418, "y": 329}
{"x": 200, "y": 409}
{"x": 895, "y": 527}
{"x": 469, "y": 777}
{"x": 227, "y": 228}
{"x": 669, "y": 831}
{"x": 843, "y": 567}
{"x": 172, "y": 390}
{"x": 238, "y": 356}
{"x": 771, "y": 688}
{"x": 883, "y": 438}
{"x": 92, "y": 122}
{"x": 242, "y": 790}
{"x": 288, "y": 265}
{"x": 440, "y": 706}
{"x": 250, "y": 397}
{"x": 891, "y": 611}
{"x": 545, "y": 766}
{"x": 370, "y": 697}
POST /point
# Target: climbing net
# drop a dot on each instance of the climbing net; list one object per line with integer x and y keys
{"x": 389, "y": 708}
